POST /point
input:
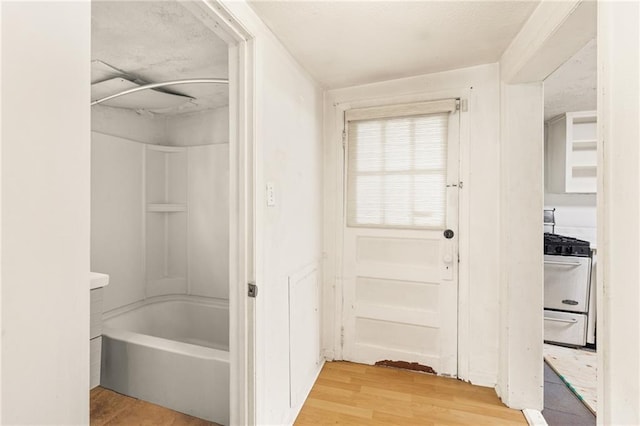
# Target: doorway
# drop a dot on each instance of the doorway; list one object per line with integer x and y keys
{"x": 190, "y": 201}
{"x": 570, "y": 94}
{"x": 399, "y": 233}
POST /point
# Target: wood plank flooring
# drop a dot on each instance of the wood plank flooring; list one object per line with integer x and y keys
{"x": 355, "y": 394}
{"x": 347, "y": 394}
{"x": 109, "y": 408}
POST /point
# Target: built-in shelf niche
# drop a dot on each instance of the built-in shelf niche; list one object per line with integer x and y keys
{"x": 572, "y": 159}
{"x": 586, "y": 145}
{"x": 166, "y": 219}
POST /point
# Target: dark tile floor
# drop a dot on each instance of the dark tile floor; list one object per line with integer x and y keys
{"x": 561, "y": 406}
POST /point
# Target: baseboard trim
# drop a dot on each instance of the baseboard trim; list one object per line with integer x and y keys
{"x": 534, "y": 417}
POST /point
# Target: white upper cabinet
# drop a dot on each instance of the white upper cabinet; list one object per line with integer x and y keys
{"x": 571, "y": 156}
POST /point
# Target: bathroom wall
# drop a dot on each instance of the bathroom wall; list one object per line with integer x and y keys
{"x": 208, "y": 239}
{"x": 165, "y": 220}
{"x": 198, "y": 128}
{"x": 116, "y": 217}
{"x": 154, "y": 253}
{"x": 190, "y": 129}
{"x": 128, "y": 124}
{"x": 118, "y": 141}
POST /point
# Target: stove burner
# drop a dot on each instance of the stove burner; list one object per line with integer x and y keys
{"x": 560, "y": 245}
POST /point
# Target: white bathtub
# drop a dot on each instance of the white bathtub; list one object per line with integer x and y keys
{"x": 172, "y": 351}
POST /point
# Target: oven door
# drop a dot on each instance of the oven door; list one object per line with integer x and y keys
{"x": 566, "y": 328}
{"x": 566, "y": 283}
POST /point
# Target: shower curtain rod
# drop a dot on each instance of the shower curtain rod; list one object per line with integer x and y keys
{"x": 164, "y": 83}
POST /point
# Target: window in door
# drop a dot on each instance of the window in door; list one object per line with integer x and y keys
{"x": 397, "y": 172}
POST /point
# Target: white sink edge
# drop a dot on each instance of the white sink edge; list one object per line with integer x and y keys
{"x": 98, "y": 280}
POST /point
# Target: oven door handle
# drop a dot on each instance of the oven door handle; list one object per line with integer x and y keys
{"x": 568, "y": 321}
{"x": 555, "y": 262}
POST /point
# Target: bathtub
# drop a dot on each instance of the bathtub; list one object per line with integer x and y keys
{"x": 172, "y": 351}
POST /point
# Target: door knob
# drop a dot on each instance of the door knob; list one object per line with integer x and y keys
{"x": 448, "y": 234}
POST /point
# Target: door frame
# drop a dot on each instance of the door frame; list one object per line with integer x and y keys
{"x": 242, "y": 166}
{"x": 339, "y": 109}
{"x": 554, "y": 33}
{"x": 540, "y": 48}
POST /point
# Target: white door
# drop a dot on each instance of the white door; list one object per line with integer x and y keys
{"x": 400, "y": 271}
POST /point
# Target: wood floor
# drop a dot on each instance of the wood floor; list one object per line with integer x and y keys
{"x": 347, "y": 394}
{"x": 111, "y": 408}
{"x": 355, "y": 394}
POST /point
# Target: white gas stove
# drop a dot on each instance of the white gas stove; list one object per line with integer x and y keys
{"x": 567, "y": 291}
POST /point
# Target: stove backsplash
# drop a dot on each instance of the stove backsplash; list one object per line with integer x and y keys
{"x": 575, "y": 215}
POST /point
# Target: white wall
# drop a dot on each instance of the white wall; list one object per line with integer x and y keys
{"x": 554, "y": 32}
{"x": 190, "y": 129}
{"x": 521, "y": 255}
{"x": 45, "y": 212}
{"x": 288, "y": 131}
{"x": 208, "y": 238}
{"x": 479, "y": 227}
{"x": 117, "y": 245}
{"x": 130, "y": 244}
{"x": 198, "y": 128}
{"x": 128, "y": 124}
{"x": 619, "y": 213}
{"x": 137, "y": 248}
{"x": 575, "y": 215}
{"x": 292, "y": 160}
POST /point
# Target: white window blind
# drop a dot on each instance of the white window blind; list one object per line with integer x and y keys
{"x": 397, "y": 169}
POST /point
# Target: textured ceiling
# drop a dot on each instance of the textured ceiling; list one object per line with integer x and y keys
{"x": 157, "y": 41}
{"x": 345, "y": 43}
{"x": 572, "y": 87}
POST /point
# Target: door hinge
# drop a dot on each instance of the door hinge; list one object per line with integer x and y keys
{"x": 344, "y": 138}
{"x": 342, "y": 337}
{"x": 253, "y": 290}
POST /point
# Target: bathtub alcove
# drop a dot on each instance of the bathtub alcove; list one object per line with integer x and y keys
{"x": 160, "y": 206}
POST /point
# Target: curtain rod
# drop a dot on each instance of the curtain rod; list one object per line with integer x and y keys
{"x": 164, "y": 83}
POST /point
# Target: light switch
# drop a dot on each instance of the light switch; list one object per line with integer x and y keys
{"x": 271, "y": 195}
